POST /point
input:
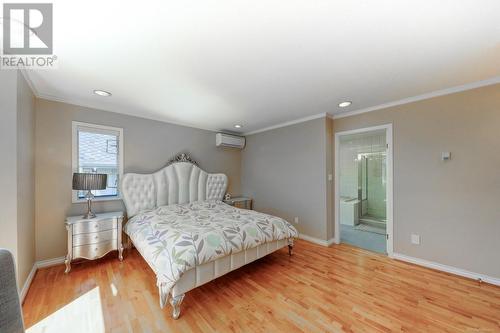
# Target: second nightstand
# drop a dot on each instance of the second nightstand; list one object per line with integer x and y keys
{"x": 93, "y": 238}
{"x": 240, "y": 202}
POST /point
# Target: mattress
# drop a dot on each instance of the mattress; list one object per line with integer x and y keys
{"x": 188, "y": 239}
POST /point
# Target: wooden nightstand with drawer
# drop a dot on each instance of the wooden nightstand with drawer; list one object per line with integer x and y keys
{"x": 93, "y": 238}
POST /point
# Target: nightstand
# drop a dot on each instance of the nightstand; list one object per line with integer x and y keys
{"x": 93, "y": 238}
{"x": 240, "y": 202}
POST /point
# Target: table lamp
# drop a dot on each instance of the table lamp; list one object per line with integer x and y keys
{"x": 89, "y": 182}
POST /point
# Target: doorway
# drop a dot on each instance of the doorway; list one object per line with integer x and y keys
{"x": 363, "y": 188}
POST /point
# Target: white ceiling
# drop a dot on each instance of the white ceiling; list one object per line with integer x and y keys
{"x": 215, "y": 63}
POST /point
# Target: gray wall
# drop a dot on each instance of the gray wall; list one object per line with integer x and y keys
{"x": 284, "y": 171}
{"x": 25, "y": 178}
{"x": 330, "y": 198}
{"x": 17, "y": 175}
{"x": 453, "y": 205}
{"x": 8, "y": 167}
{"x": 148, "y": 145}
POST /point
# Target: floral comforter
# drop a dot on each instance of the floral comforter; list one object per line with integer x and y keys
{"x": 176, "y": 238}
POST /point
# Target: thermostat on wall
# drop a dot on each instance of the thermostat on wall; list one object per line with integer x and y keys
{"x": 445, "y": 156}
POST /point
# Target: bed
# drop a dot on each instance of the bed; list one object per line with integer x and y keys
{"x": 188, "y": 236}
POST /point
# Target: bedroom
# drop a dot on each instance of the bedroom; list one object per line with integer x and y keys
{"x": 127, "y": 113}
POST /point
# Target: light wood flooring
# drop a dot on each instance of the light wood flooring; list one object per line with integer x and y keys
{"x": 318, "y": 289}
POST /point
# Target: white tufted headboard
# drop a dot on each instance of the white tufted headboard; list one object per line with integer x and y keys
{"x": 181, "y": 181}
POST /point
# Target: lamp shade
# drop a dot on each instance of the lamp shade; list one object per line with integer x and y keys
{"x": 89, "y": 181}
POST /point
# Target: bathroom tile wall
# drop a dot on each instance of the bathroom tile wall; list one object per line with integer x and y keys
{"x": 348, "y": 172}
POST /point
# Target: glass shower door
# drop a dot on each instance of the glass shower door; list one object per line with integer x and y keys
{"x": 362, "y": 185}
{"x": 372, "y": 179}
{"x": 376, "y": 186}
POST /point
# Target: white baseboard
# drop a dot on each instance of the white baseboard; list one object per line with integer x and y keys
{"x": 446, "y": 268}
{"x": 315, "y": 240}
{"x": 50, "y": 262}
{"x": 36, "y": 266}
{"x": 27, "y": 283}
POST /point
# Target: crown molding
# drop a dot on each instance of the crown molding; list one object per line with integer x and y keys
{"x": 30, "y": 83}
{"x": 288, "y": 123}
{"x": 126, "y": 113}
{"x": 53, "y": 98}
{"x": 87, "y": 105}
{"x": 437, "y": 93}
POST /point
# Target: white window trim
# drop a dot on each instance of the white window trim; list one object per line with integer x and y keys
{"x": 74, "y": 153}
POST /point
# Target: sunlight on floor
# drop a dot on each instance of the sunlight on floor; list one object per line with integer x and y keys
{"x": 82, "y": 315}
{"x": 113, "y": 289}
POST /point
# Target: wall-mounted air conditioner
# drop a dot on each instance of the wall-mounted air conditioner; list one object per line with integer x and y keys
{"x": 228, "y": 140}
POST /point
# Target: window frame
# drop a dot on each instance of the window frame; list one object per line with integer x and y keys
{"x": 74, "y": 152}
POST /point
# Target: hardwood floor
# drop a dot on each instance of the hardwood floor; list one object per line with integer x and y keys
{"x": 336, "y": 289}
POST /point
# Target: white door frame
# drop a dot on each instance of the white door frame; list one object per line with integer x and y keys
{"x": 389, "y": 188}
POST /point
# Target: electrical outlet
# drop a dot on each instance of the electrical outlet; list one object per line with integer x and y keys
{"x": 330, "y": 177}
{"x": 415, "y": 239}
{"x": 296, "y": 220}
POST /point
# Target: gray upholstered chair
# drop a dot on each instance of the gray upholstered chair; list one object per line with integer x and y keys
{"x": 11, "y": 316}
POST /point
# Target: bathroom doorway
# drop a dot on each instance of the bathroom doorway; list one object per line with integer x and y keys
{"x": 363, "y": 188}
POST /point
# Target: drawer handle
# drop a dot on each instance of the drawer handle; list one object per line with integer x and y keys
{"x": 96, "y": 249}
{"x": 96, "y": 237}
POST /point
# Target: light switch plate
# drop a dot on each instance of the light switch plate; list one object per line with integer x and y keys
{"x": 415, "y": 239}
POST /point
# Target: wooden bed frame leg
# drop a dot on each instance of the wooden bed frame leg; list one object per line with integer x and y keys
{"x": 176, "y": 305}
{"x": 290, "y": 247}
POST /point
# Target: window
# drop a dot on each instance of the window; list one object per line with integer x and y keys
{"x": 98, "y": 149}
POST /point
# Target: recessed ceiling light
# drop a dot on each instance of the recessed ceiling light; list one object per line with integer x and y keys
{"x": 238, "y": 126}
{"x": 344, "y": 104}
{"x": 102, "y": 93}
